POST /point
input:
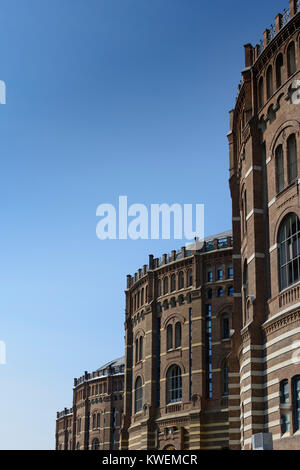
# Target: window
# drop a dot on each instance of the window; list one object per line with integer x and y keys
{"x": 296, "y": 402}
{"x": 225, "y": 327}
{"x": 166, "y": 285}
{"x": 95, "y": 444}
{"x": 279, "y": 69}
{"x": 279, "y": 168}
{"x": 181, "y": 300}
{"x": 142, "y": 297}
{"x": 94, "y": 421}
{"x": 169, "y": 337}
{"x": 220, "y": 292}
{"x": 209, "y": 276}
{"x": 291, "y": 57}
{"x": 178, "y": 335}
{"x": 173, "y": 282}
{"x": 173, "y": 302}
{"x": 190, "y": 277}
{"x": 230, "y": 272}
{"x": 292, "y": 158}
{"x": 208, "y": 351}
{"x": 220, "y": 274}
{"x": 209, "y": 294}
{"x": 269, "y": 82}
{"x": 284, "y": 392}
{"x": 141, "y": 349}
{"x": 285, "y": 423}
{"x": 77, "y": 446}
{"x": 174, "y": 384}
{"x": 98, "y": 420}
{"x": 159, "y": 288}
{"x": 225, "y": 378}
{"x": 136, "y": 351}
{"x": 138, "y": 395}
{"x": 261, "y": 93}
{"x": 181, "y": 280}
{"x": 289, "y": 251}
{"x": 230, "y": 291}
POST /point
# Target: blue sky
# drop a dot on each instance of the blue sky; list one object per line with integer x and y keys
{"x": 104, "y": 98}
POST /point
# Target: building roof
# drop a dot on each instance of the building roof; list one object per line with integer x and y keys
{"x": 116, "y": 363}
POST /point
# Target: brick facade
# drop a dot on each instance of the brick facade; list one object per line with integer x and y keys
{"x": 264, "y": 184}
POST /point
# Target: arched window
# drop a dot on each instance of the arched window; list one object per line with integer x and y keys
{"x": 261, "y": 100}
{"x": 190, "y": 277}
{"x": 279, "y": 70}
{"x": 178, "y": 335}
{"x": 296, "y": 402}
{"x": 291, "y": 59}
{"x": 159, "y": 287}
{"x": 94, "y": 421}
{"x": 225, "y": 327}
{"x": 141, "y": 349}
{"x": 173, "y": 282}
{"x": 169, "y": 337}
{"x": 181, "y": 280}
{"x": 292, "y": 158}
{"x": 220, "y": 292}
{"x": 284, "y": 392}
{"x": 279, "y": 168}
{"x": 269, "y": 82}
{"x": 225, "y": 378}
{"x": 138, "y": 395}
{"x": 230, "y": 291}
{"x": 98, "y": 420}
{"x": 95, "y": 444}
{"x": 166, "y": 285}
{"x": 174, "y": 384}
{"x": 289, "y": 251}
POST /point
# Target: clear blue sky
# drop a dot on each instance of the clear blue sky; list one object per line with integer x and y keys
{"x": 104, "y": 98}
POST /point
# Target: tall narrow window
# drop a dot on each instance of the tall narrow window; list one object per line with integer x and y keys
{"x": 94, "y": 421}
{"x": 225, "y": 378}
{"x": 190, "y": 277}
{"x": 98, "y": 420}
{"x": 291, "y": 57}
{"x": 289, "y": 251}
{"x": 209, "y": 276}
{"x": 261, "y": 93}
{"x": 166, "y": 285}
{"x": 178, "y": 335}
{"x": 158, "y": 326}
{"x": 159, "y": 287}
{"x": 284, "y": 392}
{"x": 296, "y": 402}
{"x": 208, "y": 351}
{"x": 225, "y": 327}
{"x": 230, "y": 272}
{"x": 138, "y": 395}
{"x": 279, "y": 168}
{"x": 220, "y": 292}
{"x": 169, "y": 337}
{"x": 141, "y": 349}
{"x": 292, "y": 158}
{"x": 269, "y": 82}
{"x": 230, "y": 291}
{"x": 142, "y": 296}
{"x": 174, "y": 384}
{"x": 181, "y": 280}
{"x": 279, "y": 70}
{"x": 136, "y": 351}
{"x": 173, "y": 282}
{"x": 220, "y": 274}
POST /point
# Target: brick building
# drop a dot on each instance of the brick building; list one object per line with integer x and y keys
{"x": 177, "y": 334}
{"x": 264, "y": 140}
{"x": 94, "y": 421}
